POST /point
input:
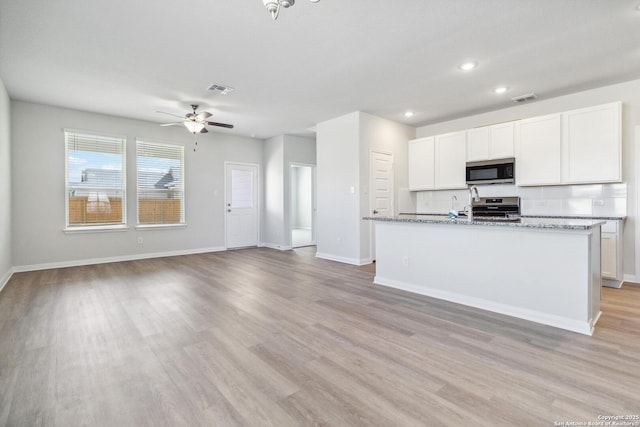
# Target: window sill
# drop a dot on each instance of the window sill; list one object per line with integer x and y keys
{"x": 159, "y": 226}
{"x": 95, "y": 229}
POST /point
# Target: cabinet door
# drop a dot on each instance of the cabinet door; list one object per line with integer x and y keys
{"x": 421, "y": 164}
{"x": 592, "y": 144}
{"x": 501, "y": 141}
{"x": 451, "y": 160}
{"x": 538, "y": 150}
{"x": 608, "y": 246}
{"x": 478, "y": 144}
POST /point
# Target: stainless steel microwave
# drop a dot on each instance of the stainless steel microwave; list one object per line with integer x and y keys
{"x": 499, "y": 171}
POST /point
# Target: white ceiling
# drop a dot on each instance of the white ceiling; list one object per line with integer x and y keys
{"x": 316, "y": 62}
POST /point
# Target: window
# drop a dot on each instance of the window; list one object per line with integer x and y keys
{"x": 160, "y": 183}
{"x": 95, "y": 181}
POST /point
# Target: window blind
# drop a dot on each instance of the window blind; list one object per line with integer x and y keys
{"x": 95, "y": 181}
{"x": 160, "y": 187}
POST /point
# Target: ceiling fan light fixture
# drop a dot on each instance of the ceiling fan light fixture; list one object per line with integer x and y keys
{"x": 194, "y": 127}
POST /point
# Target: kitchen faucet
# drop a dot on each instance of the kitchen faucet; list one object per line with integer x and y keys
{"x": 472, "y": 189}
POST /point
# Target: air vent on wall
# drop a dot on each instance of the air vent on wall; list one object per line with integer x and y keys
{"x": 220, "y": 89}
{"x": 524, "y": 98}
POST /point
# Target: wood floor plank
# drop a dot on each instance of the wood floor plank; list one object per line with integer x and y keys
{"x": 260, "y": 337}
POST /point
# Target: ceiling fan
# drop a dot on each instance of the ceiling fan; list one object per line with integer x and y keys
{"x": 196, "y": 122}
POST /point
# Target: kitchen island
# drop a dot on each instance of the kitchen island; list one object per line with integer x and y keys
{"x": 544, "y": 270}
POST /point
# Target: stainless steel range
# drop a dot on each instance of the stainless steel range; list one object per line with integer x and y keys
{"x": 496, "y": 209}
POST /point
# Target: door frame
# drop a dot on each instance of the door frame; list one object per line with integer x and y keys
{"x": 314, "y": 219}
{"x": 372, "y": 151}
{"x": 227, "y": 164}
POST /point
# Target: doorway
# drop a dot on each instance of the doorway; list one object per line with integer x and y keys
{"x": 241, "y": 205}
{"x": 303, "y": 209}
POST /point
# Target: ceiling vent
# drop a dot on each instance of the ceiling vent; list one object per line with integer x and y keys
{"x": 524, "y": 98}
{"x": 220, "y": 89}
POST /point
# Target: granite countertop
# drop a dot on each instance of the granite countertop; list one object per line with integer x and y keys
{"x": 591, "y": 217}
{"x": 554, "y": 223}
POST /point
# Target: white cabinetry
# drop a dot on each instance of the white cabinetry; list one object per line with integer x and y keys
{"x": 575, "y": 147}
{"x": 611, "y": 243}
{"x": 538, "y": 150}
{"x": 450, "y": 158}
{"x": 592, "y": 145}
{"x": 421, "y": 164}
{"x": 438, "y": 163}
{"x": 490, "y": 142}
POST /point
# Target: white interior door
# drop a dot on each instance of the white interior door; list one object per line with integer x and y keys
{"x": 381, "y": 196}
{"x": 241, "y": 205}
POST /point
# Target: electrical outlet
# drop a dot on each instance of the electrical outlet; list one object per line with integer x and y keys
{"x": 140, "y": 240}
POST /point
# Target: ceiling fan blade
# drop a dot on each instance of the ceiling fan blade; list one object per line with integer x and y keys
{"x": 171, "y": 124}
{"x": 222, "y": 125}
{"x": 203, "y": 115}
{"x": 204, "y": 130}
{"x": 171, "y": 114}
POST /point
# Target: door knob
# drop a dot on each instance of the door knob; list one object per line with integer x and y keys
{"x": 228, "y": 210}
{"x": 375, "y": 212}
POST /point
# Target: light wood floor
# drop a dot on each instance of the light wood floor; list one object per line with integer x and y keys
{"x": 262, "y": 337}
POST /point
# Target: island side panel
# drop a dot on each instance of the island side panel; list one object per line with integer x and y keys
{"x": 541, "y": 275}
{"x": 596, "y": 277}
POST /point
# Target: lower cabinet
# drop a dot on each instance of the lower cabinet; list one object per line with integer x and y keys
{"x": 611, "y": 253}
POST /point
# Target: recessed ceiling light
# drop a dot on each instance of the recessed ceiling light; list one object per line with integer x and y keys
{"x": 408, "y": 114}
{"x": 500, "y": 90}
{"x": 468, "y": 66}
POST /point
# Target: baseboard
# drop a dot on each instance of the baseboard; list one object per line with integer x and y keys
{"x": 582, "y": 327}
{"x": 5, "y": 279}
{"x": 134, "y": 257}
{"x": 344, "y": 260}
{"x": 631, "y": 278}
{"x": 278, "y": 247}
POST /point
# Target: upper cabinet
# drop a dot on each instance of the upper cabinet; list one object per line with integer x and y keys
{"x": 450, "y": 155}
{"x": 437, "y": 163}
{"x": 538, "y": 150}
{"x": 592, "y": 144}
{"x": 421, "y": 164}
{"x": 575, "y": 147}
{"x": 490, "y": 142}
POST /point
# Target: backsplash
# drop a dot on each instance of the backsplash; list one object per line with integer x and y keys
{"x": 592, "y": 199}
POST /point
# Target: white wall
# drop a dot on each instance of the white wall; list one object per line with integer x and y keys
{"x": 5, "y": 187}
{"x": 344, "y": 147}
{"x": 381, "y": 134}
{"x": 38, "y": 209}
{"x": 628, "y": 93}
{"x": 338, "y": 188}
{"x": 273, "y": 217}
